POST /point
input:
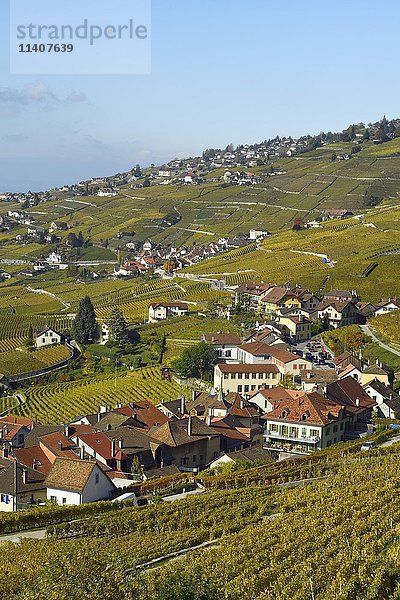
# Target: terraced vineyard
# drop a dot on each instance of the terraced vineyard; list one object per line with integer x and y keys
{"x": 14, "y": 328}
{"x": 351, "y": 245}
{"x": 15, "y": 362}
{"x": 60, "y": 402}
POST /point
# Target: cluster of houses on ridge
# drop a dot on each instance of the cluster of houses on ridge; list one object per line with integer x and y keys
{"x": 297, "y": 308}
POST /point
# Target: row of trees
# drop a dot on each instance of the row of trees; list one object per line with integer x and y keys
{"x": 85, "y": 328}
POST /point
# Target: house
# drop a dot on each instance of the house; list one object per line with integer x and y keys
{"x": 250, "y": 294}
{"x": 173, "y": 409}
{"x": 14, "y": 430}
{"x": 352, "y": 371}
{"x": 104, "y": 333}
{"x": 387, "y": 400}
{"x": 336, "y": 213}
{"x": 341, "y": 296}
{"x": 244, "y": 378}
{"x": 286, "y": 362}
{"x": 366, "y": 309}
{"x": 347, "y": 358}
{"x": 225, "y": 344}
{"x": 339, "y": 313}
{"x": 234, "y": 436}
{"x": 387, "y": 306}
{"x": 106, "y": 192}
{"x": 188, "y": 443}
{"x": 379, "y": 371}
{"x": 160, "y": 311}
{"x": 46, "y": 336}
{"x": 266, "y": 399}
{"x": 296, "y": 328}
{"x": 77, "y": 482}
{"x": 304, "y": 424}
{"x": 350, "y": 394}
{"x": 316, "y": 380}
{"x": 250, "y": 456}
{"x": 256, "y": 234}
{"x": 55, "y": 258}
{"x": 20, "y": 487}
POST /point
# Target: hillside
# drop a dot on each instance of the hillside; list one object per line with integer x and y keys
{"x": 348, "y": 249}
{"x": 338, "y": 537}
{"x": 313, "y": 182}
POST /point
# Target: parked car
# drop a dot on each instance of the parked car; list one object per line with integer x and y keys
{"x": 367, "y": 446}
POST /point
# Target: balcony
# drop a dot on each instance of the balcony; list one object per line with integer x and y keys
{"x": 289, "y": 447}
{"x": 289, "y": 438}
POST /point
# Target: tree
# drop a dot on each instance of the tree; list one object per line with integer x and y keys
{"x": 196, "y": 361}
{"x": 85, "y": 329}
{"x": 135, "y": 470}
{"x": 297, "y": 224}
{"x": 29, "y": 339}
{"x": 118, "y": 327}
{"x": 137, "y": 172}
{"x": 146, "y": 183}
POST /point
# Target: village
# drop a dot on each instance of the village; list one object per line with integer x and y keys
{"x": 277, "y": 392}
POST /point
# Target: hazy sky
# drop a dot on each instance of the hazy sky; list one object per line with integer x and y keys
{"x": 222, "y": 71}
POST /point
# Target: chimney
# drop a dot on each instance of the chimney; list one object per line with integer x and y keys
{"x": 194, "y": 395}
{"x": 82, "y": 452}
{"x": 162, "y": 464}
{"x": 113, "y": 448}
{"x": 98, "y": 417}
{"x": 209, "y": 420}
{"x": 1, "y": 434}
{"x": 66, "y": 430}
{"x": 59, "y": 446}
{"x": 34, "y": 464}
{"x": 308, "y": 375}
{"x": 5, "y": 452}
{"x": 241, "y": 403}
{"x": 189, "y": 426}
{"x": 357, "y": 402}
{"x": 182, "y": 405}
{"x": 120, "y": 444}
{"x": 24, "y": 476}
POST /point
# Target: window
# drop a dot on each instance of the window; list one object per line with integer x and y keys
{"x": 53, "y": 498}
{"x": 194, "y": 458}
{"x": 228, "y": 353}
{"x": 2, "y": 498}
{"x": 240, "y": 388}
{"x": 341, "y": 426}
{"x": 327, "y": 430}
{"x": 233, "y": 375}
{"x": 246, "y": 388}
{"x": 96, "y": 478}
{"x": 334, "y": 428}
{"x": 201, "y": 457}
{"x": 254, "y": 375}
{"x": 314, "y": 432}
{"x": 253, "y": 387}
{"x": 247, "y": 375}
{"x": 64, "y": 501}
{"x": 20, "y": 438}
{"x": 274, "y": 427}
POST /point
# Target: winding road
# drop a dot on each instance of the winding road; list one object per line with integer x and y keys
{"x": 367, "y": 331}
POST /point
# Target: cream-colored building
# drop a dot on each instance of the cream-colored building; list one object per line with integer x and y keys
{"x": 244, "y": 378}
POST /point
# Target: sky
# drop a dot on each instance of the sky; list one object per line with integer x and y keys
{"x": 222, "y": 72}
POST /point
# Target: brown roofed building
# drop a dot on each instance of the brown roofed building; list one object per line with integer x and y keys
{"x": 188, "y": 443}
{"x": 304, "y": 424}
{"x": 20, "y": 486}
{"x": 77, "y": 482}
